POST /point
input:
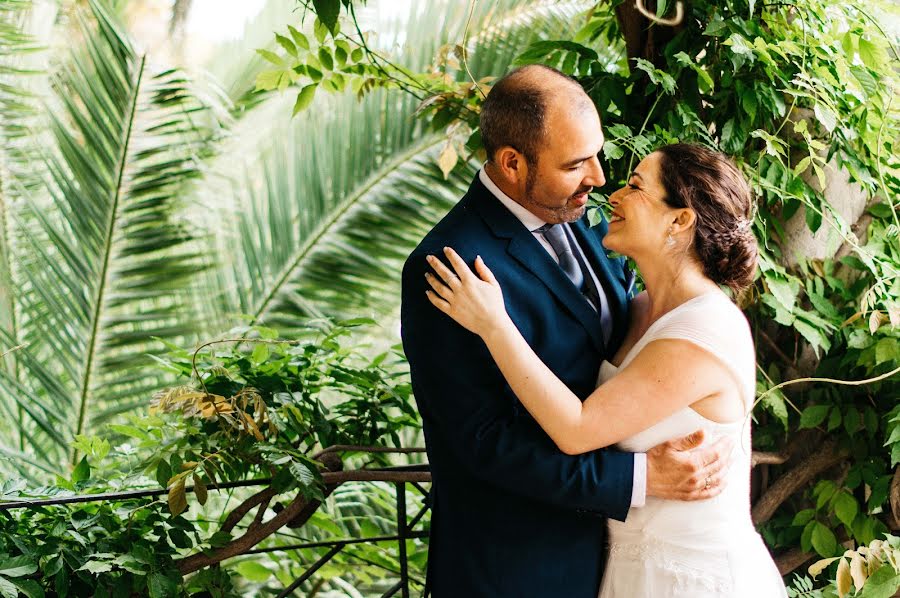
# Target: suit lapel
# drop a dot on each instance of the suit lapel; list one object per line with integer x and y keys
{"x": 529, "y": 253}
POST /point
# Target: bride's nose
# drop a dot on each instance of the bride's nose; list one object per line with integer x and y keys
{"x": 614, "y": 198}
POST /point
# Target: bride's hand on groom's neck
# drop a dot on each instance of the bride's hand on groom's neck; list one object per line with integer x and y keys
{"x": 679, "y": 470}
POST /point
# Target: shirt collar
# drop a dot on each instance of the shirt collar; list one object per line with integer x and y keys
{"x": 529, "y": 220}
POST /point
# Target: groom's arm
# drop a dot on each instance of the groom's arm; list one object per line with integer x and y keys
{"x": 460, "y": 389}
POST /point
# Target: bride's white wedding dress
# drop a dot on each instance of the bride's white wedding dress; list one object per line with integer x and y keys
{"x": 699, "y": 549}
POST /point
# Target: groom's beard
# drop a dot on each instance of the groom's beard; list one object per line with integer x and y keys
{"x": 561, "y": 213}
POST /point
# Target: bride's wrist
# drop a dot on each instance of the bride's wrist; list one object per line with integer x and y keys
{"x": 497, "y": 328}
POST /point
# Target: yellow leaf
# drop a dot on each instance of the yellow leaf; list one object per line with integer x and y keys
{"x": 843, "y": 578}
{"x": 858, "y": 571}
{"x": 874, "y": 322}
{"x": 448, "y": 159}
{"x": 252, "y": 427}
{"x": 819, "y": 566}
{"x": 200, "y": 490}
{"x": 872, "y": 563}
{"x": 177, "y": 498}
{"x": 894, "y": 314}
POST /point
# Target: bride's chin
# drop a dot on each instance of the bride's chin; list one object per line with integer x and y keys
{"x": 610, "y": 244}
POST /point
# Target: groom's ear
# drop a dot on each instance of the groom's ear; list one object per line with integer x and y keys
{"x": 511, "y": 164}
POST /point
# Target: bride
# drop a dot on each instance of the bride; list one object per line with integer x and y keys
{"x": 687, "y": 362}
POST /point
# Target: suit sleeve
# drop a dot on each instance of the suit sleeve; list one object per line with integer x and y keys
{"x": 463, "y": 394}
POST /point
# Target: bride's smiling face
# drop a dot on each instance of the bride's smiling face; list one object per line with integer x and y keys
{"x": 641, "y": 219}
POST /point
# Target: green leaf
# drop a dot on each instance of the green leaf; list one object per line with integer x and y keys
{"x": 813, "y": 416}
{"x": 826, "y": 116}
{"x": 865, "y": 79}
{"x": 81, "y": 473}
{"x": 845, "y": 508}
{"x": 803, "y": 517}
{"x": 884, "y": 583}
{"x": 304, "y": 98}
{"x": 253, "y": 571}
{"x": 96, "y": 567}
{"x": 260, "y": 353}
{"x": 271, "y": 57}
{"x": 268, "y": 80}
{"x": 162, "y": 586}
{"x": 179, "y": 538}
{"x": 852, "y": 420}
{"x": 612, "y": 151}
{"x": 29, "y": 587}
{"x": 326, "y": 59}
{"x": 834, "y": 419}
{"x": 7, "y": 589}
{"x": 328, "y": 12}
{"x": 870, "y": 54}
{"x": 813, "y": 217}
{"x": 814, "y": 335}
{"x": 783, "y": 291}
{"x": 880, "y": 210}
{"x": 163, "y": 473}
{"x": 18, "y": 566}
{"x": 287, "y": 44}
{"x": 299, "y": 38}
{"x": 823, "y": 540}
{"x": 887, "y": 351}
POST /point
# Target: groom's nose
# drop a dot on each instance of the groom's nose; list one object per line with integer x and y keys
{"x": 595, "y": 176}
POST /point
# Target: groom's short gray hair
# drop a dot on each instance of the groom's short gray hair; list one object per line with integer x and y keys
{"x": 514, "y": 112}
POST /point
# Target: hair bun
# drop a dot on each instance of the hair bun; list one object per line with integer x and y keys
{"x": 729, "y": 257}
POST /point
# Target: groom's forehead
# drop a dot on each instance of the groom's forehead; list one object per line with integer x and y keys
{"x": 574, "y": 127}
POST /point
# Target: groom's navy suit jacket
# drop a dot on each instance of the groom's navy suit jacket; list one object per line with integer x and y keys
{"x": 512, "y": 515}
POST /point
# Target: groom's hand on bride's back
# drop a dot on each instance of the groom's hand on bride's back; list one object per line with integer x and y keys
{"x": 680, "y": 470}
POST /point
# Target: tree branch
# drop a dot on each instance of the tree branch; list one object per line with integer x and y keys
{"x": 245, "y": 507}
{"x": 791, "y": 559}
{"x": 244, "y": 543}
{"x": 794, "y": 479}
{"x": 764, "y": 458}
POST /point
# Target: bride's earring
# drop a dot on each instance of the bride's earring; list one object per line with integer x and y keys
{"x": 670, "y": 240}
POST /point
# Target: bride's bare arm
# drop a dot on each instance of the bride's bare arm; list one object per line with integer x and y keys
{"x": 664, "y": 377}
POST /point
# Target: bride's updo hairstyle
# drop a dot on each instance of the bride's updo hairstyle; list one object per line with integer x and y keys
{"x": 708, "y": 183}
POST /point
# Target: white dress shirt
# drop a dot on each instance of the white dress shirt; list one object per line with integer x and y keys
{"x": 532, "y": 222}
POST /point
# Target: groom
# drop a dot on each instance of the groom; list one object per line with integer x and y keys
{"x": 512, "y": 515}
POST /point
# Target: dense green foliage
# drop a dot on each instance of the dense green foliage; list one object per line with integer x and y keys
{"x": 140, "y": 209}
{"x": 247, "y": 410}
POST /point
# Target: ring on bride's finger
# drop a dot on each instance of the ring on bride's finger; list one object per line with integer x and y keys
{"x": 708, "y": 483}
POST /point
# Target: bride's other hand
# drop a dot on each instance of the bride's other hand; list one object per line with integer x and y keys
{"x": 475, "y": 302}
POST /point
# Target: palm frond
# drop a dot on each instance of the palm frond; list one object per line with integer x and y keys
{"x": 109, "y": 262}
{"x": 326, "y": 215}
{"x": 17, "y": 110}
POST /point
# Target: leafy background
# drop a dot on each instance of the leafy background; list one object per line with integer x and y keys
{"x": 148, "y": 204}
